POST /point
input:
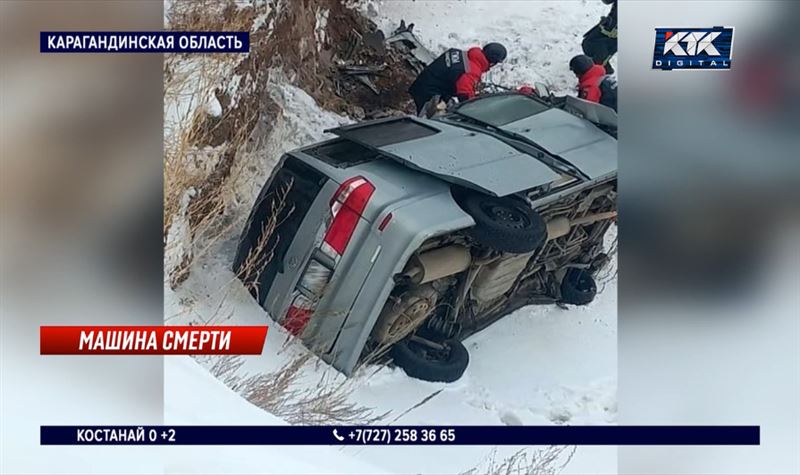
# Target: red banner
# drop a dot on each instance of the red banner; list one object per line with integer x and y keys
{"x": 151, "y": 340}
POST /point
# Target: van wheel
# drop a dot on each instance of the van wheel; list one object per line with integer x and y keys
{"x": 504, "y": 224}
{"x": 578, "y": 287}
{"x": 444, "y": 363}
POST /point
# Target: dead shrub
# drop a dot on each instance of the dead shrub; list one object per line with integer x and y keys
{"x": 548, "y": 461}
{"x": 259, "y": 255}
{"x": 201, "y": 149}
{"x": 280, "y": 393}
{"x": 212, "y": 15}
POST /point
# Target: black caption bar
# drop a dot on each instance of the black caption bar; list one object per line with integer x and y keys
{"x": 400, "y": 435}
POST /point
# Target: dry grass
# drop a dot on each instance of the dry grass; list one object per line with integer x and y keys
{"x": 213, "y": 15}
{"x": 186, "y": 177}
{"x": 259, "y": 255}
{"x": 280, "y": 393}
{"x": 199, "y": 148}
{"x": 548, "y": 461}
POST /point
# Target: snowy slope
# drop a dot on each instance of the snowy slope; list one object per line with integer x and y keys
{"x": 540, "y": 365}
{"x": 192, "y": 396}
{"x": 541, "y": 36}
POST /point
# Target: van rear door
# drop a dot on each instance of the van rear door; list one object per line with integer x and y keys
{"x": 275, "y": 219}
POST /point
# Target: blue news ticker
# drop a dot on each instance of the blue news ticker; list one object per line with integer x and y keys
{"x": 400, "y": 435}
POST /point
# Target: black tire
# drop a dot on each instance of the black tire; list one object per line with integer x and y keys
{"x": 578, "y": 287}
{"x": 504, "y": 224}
{"x": 421, "y": 362}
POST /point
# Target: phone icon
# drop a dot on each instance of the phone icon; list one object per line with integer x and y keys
{"x": 338, "y": 437}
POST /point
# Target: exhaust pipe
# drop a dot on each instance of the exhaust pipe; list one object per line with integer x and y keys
{"x": 437, "y": 263}
{"x": 560, "y": 226}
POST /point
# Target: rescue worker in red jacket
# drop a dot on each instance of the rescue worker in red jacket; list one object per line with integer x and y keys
{"x": 593, "y": 83}
{"x": 455, "y": 74}
{"x": 589, "y": 76}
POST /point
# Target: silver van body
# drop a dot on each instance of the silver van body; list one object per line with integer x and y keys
{"x": 532, "y": 150}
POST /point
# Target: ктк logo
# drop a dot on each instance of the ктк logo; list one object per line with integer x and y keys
{"x": 693, "y": 48}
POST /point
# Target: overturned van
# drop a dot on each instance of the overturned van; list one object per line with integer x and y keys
{"x": 402, "y": 236}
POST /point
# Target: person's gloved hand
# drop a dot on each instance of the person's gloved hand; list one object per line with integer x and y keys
{"x": 527, "y": 90}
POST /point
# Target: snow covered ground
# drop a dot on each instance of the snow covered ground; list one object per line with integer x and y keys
{"x": 540, "y": 365}
{"x": 541, "y": 36}
{"x": 194, "y": 396}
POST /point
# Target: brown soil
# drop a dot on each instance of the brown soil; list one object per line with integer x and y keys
{"x": 292, "y": 47}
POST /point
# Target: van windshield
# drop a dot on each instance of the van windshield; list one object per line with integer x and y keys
{"x": 501, "y": 109}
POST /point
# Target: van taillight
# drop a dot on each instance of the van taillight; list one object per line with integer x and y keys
{"x": 298, "y": 315}
{"x": 347, "y": 206}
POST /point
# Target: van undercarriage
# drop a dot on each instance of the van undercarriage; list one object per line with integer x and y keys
{"x": 452, "y": 288}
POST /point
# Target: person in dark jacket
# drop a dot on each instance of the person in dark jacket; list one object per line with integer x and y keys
{"x": 455, "y": 74}
{"x": 594, "y": 84}
{"x": 600, "y": 43}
